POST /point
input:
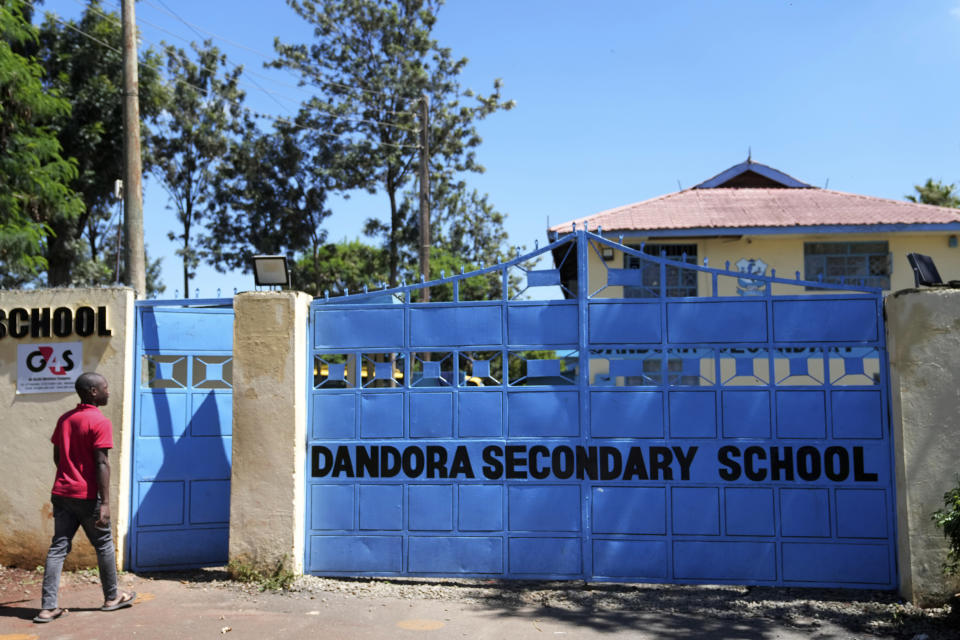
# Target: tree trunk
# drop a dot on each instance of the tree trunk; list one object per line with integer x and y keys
{"x": 59, "y": 257}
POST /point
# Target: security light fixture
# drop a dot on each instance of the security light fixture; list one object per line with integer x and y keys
{"x": 270, "y": 271}
{"x": 925, "y": 272}
{"x": 606, "y": 253}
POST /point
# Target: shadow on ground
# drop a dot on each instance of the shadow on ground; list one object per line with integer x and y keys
{"x": 683, "y": 611}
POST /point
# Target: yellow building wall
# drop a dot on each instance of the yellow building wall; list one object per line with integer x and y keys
{"x": 784, "y": 253}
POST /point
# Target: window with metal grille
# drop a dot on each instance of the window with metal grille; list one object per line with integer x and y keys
{"x": 680, "y": 282}
{"x": 854, "y": 263}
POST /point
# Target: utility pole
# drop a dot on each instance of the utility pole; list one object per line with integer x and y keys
{"x": 424, "y": 197}
{"x": 136, "y": 274}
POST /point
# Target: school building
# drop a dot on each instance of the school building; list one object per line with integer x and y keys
{"x": 756, "y": 220}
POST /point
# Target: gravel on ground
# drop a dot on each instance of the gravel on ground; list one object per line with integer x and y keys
{"x": 864, "y": 612}
{"x": 877, "y": 613}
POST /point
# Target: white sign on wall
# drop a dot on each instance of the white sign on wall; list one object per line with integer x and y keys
{"x": 48, "y": 368}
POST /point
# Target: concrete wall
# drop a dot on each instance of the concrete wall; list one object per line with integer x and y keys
{"x": 267, "y": 506}
{"x": 784, "y": 253}
{"x": 923, "y": 329}
{"x": 26, "y": 515}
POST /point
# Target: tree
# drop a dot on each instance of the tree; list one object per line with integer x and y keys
{"x": 88, "y": 70}
{"x": 372, "y": 61}
{"x": 272, "y": 196}
{"x": 193, "y": 135}
{"x": 340, "y": 268}
{"x": 936, "y": 193}
{"x": 466, "y": 233}
{"x": 349, "y": 266}
{"x": 34, "y": 175}
{"x": 110, "y": 265}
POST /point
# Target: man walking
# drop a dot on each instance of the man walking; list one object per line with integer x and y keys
{"x": 81, "y": 495}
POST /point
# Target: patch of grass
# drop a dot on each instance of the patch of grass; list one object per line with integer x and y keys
{"x": 280, "y": 578}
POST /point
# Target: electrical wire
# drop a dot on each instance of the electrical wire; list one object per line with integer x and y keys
{"x": 206, "y": 92}
{"x": 86, "y": 35}
{"x": 270, "y": 94}
{"x": 261, "y": 54}
{"x": 269, "y": 57}
{"x": 172, "y": 51}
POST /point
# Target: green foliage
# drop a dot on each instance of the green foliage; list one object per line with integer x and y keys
{"x": 340, "y": 267}
{"x": 948, "y": 519}
{"x": 936, "y": 193}
{"x": 280, "y": 578}
{"x": 371, "y": 61}
{"x": 105, "y": 268}
{"x": 442, "y": 262}
{"x": 195, "y": 132}
{"x": 34, "y": 187}
{"x": 90, "y": 74}
{"x": 271, "y": 195}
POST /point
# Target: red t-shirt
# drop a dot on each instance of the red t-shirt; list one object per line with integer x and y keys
{"x": 79, "y": 433}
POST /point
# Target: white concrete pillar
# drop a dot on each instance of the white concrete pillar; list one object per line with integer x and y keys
{"x": 923, "y": 340}
{"x": 269, "y": 429}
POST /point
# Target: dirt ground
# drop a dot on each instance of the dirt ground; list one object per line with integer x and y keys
{"x": 207, "y": 604}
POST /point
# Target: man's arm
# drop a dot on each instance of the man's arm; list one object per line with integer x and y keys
{"x": 103, "y": 485}
{"x": 56, "y": 456}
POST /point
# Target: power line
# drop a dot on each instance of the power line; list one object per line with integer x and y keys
{"x": 170, "y": 11}
{"x": 206, "y": 92}
{"x": 270, "y": 94}
{"x": 85, "y": 34}
{"x": 262, "y": 55}
{"x": 172, "y": 51}
{"x": 265, "y": 56}
{"x": 269, "y": 57}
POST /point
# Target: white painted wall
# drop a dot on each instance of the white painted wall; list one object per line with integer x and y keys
{"x": 267, "y": 506}
{"x": 923, "y": 332}
{"x": 26, "y": 515}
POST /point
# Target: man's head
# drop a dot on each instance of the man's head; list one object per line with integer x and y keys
{"x": 92, "y": 389}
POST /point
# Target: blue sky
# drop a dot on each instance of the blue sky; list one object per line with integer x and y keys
{"x": 622, "y": 100}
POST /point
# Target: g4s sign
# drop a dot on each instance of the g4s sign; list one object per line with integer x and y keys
{"x": 48, "y": 368}
{"x": 43, "y": 357}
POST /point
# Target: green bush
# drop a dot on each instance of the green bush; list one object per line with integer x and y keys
{"x": 948, "y": 519}
{"x": 279, "y": 579}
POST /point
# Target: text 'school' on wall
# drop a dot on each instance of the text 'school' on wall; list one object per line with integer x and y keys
{"x": 61, "y": 322}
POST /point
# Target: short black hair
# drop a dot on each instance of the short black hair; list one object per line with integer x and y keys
{"x": 87, "y": 381}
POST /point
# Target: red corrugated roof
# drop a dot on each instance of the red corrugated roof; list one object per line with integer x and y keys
{"x": 750, "y": 207}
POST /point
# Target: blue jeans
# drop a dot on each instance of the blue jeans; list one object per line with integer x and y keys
{"x": 68, "y": 515}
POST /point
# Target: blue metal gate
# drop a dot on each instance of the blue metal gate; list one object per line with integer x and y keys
{"x": 718, "y": 439}
{"x": 183, "y": 409}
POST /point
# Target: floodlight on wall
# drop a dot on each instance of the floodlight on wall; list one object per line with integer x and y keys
{"x": 270, "y": 271}
{"x": 925, "y": 272}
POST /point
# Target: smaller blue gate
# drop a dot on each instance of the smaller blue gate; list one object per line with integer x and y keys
{"x": 183, "y": 410}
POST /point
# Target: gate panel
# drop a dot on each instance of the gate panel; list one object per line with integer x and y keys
{"x": 182, "y": 447}
{"x": 711, "y": 439}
